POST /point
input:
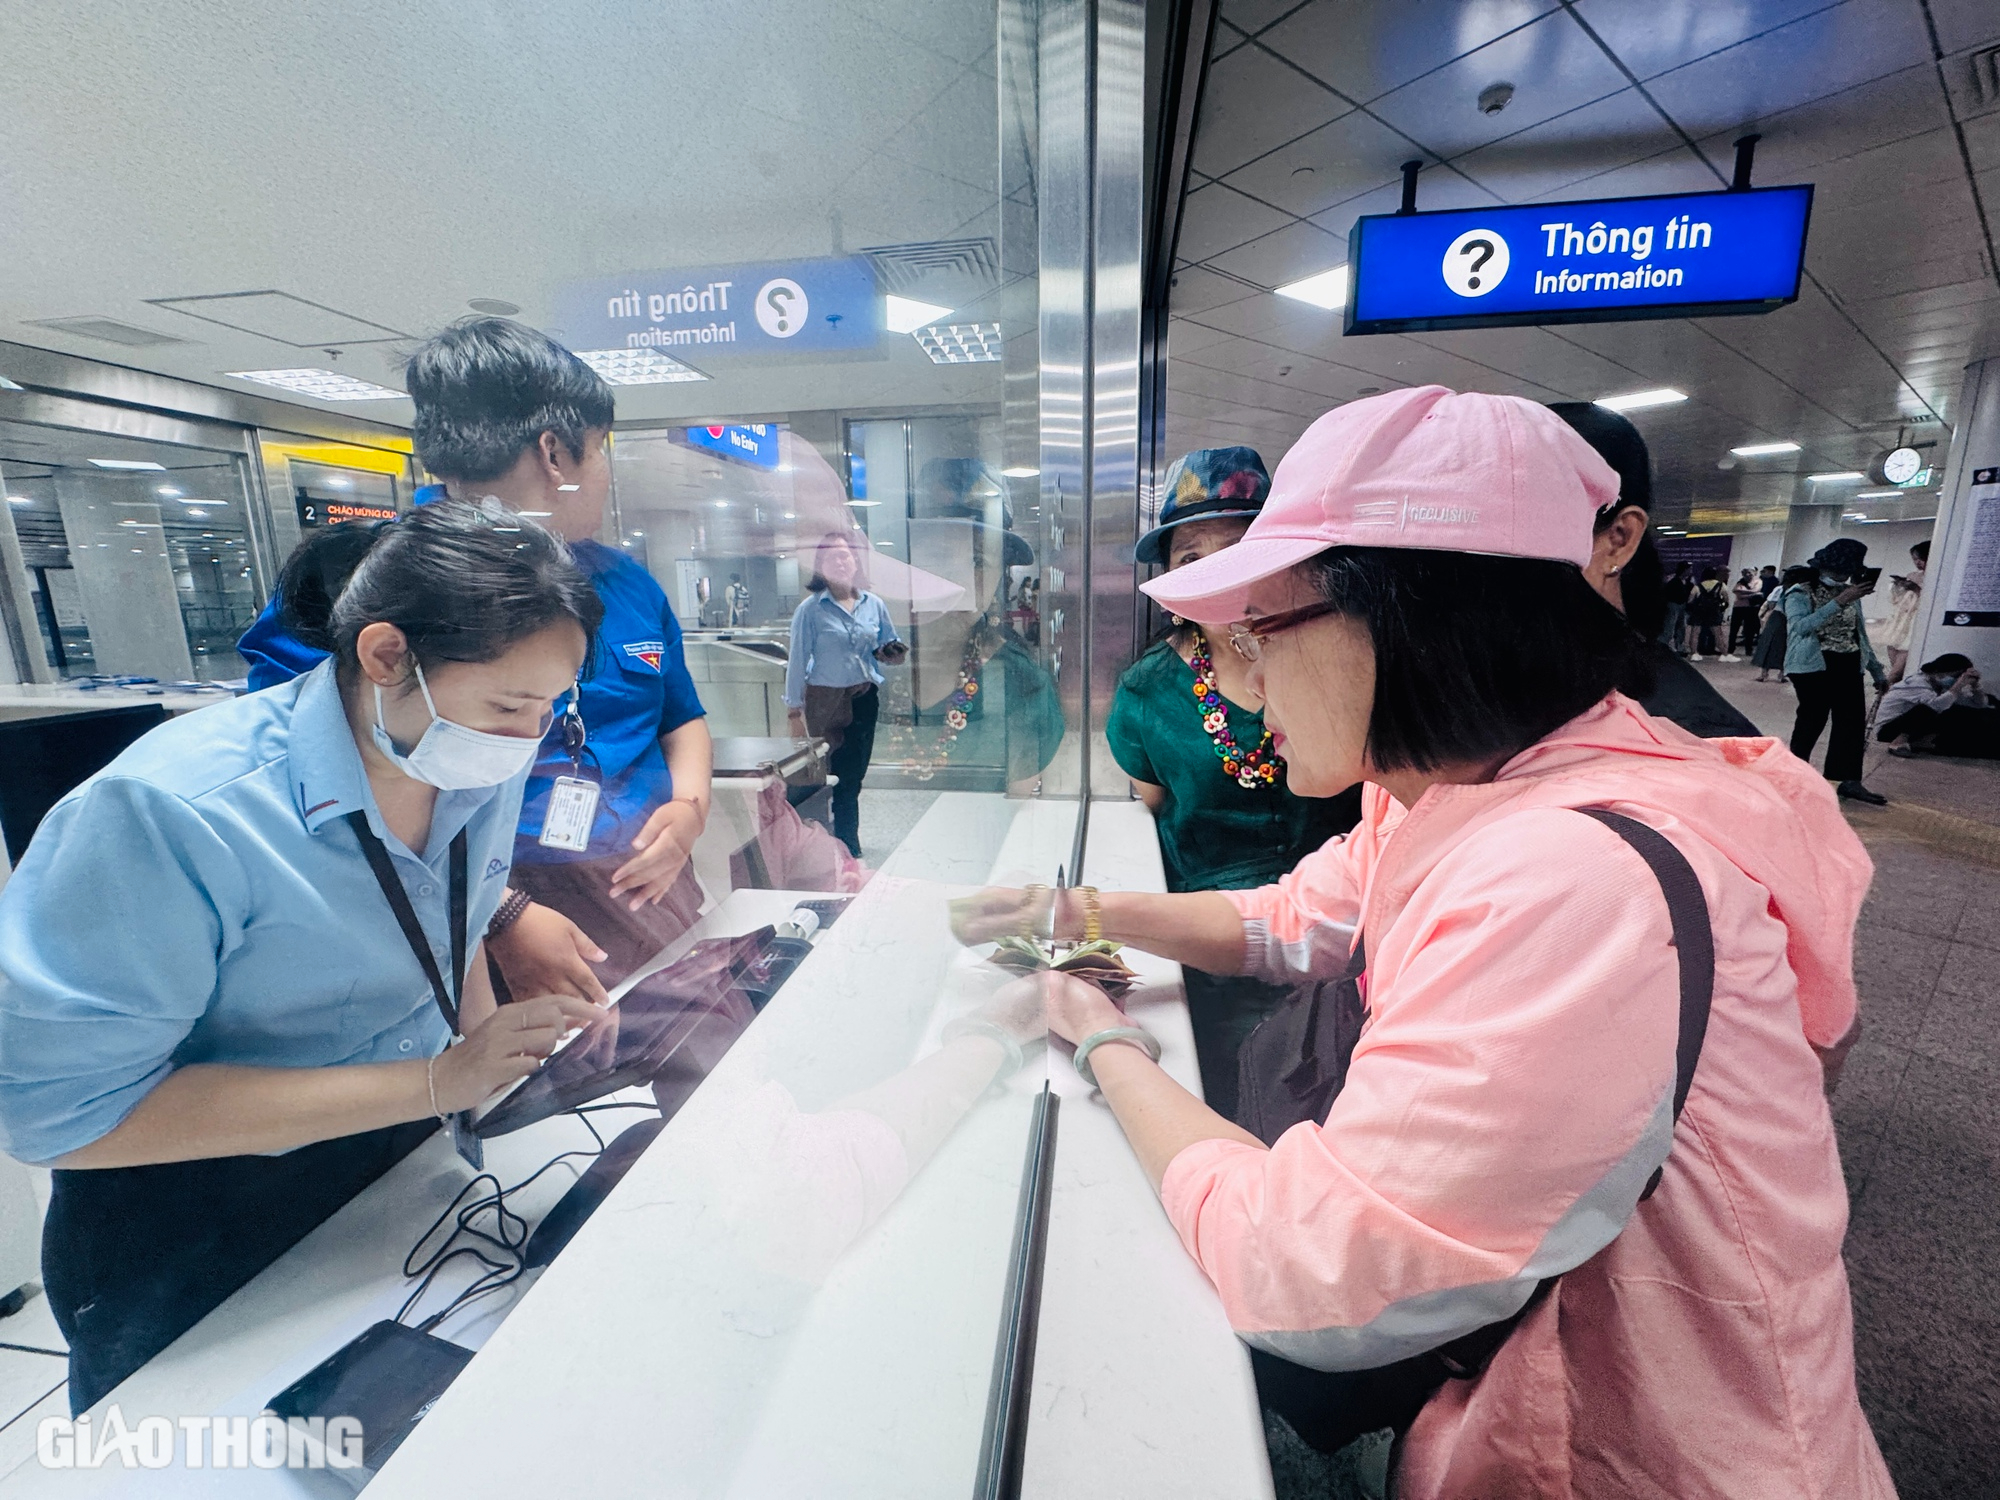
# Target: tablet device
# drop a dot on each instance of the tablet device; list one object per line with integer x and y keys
{"x": 633, "y": 1039}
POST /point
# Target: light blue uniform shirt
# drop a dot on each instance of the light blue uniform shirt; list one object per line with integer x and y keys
{"x": 835, "y": 647}
{"x": 203, "y": 899}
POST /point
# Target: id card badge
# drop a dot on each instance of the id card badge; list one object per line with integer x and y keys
{"x": 468, "y": 1145}
{"x": 572, "y": 812}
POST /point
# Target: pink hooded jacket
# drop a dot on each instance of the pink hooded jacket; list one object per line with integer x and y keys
{"x": 1510, "y": 1096}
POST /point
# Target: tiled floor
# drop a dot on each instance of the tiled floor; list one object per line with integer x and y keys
{"x": 1919, "y": 1113}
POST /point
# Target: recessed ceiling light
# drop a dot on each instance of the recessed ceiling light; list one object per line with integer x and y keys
{"x": 169, "y": 491}
{"x": 907, "y": 315}
{"x": 864, "y": 502}
{"x": 960, "y": 343}
{"x": 1639, "y": 400}
{"x": 1328, "y": 289}
{"x": 322, "y": 385}
{"x": 885, "y": 544}
{"x": 791, "y": 515}
{"x": 19, "y": 500}
{"x": 1020, "y": 473}
{"x": 199, "y": 515}
{"x": 537, "y": 515}
{"x": 128, "y": 463}
{"x": 1843, "y": 476}
{"x": 722, "y": 505}
{"x": 1764, "y": 450}
{"x": 638, "y": 367}
{"x": 1878, "y": 494}
{"x": 340, "y": 482}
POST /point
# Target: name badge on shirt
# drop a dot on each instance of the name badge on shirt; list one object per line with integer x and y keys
{"x": 572, "y": 812}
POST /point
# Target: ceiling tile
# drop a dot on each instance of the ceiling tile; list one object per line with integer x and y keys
{"x": 1254, "y": 15}
{"x": 1218, "y": 218}
{"x": 1965, "y": 23}
{"x": 1367, "y": 50}
{"x": 1553, "y": 66}
{"x": 1336, "y": 162}
{"x": 1437, "y": 188}
{"x": 1601, "y": 136}
{"x": 1294, "y": 251}
{"x": 1185, "y": 338}
{"x": 1538, "y": 355}
{"x": 1675, "y": 170}
{"x": 1662, "y": 34}
{"x": 1253, "y": 102}
{"x": 1982, "y": 141}
{"x": 1823, "y": 53}
{"x": 1196, "y": 290}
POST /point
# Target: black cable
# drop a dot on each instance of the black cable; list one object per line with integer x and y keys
{"x": 505, "y": 1239}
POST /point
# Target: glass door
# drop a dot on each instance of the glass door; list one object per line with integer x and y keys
{"x": 136, "y": 553}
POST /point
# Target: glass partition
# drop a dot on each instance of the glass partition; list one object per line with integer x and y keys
{"x": 804, "y": 247}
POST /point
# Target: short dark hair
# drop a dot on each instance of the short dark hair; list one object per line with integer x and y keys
{"x": 462, "y": 581}
{"x": 1475, "y": 656}
{"x": 486, "y": 389}
{"x": 1922, "y": 551}
{"x": 1951, "y": 661}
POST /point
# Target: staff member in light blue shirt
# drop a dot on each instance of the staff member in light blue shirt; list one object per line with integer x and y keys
{"x": 505, "y": 413}
{"x": 839, "y": 632}
{"x": 224, "y": 1002}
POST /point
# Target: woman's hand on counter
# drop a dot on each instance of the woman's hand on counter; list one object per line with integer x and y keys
{"x": 1000, "y": 911}
{"x": 510, "y": 1044}
{"x": 542, "y": 952}
{"x": 1076, "y": 1008}
{"x": 661, "y": 848}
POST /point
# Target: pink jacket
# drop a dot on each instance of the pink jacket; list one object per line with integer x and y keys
{"x": 1512, "y": 1093}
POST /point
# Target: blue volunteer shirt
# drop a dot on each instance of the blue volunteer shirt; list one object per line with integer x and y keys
{"x": 204, "y": 900}
{"x": 835, "y": 647}
{"x": 635, "y": 689}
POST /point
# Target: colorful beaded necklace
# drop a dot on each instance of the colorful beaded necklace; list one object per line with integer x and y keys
{"x": 1260, "y": 767}
{"x": 924, "y": 767}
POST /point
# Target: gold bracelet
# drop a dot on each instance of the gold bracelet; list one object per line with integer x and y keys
{"x": 1034, "y": 893}
{"x": 430, "y": 1082}
{"x": 1093, "y": 913}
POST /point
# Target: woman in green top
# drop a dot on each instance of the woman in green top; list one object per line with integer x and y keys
{"x": 1188, "y": 730}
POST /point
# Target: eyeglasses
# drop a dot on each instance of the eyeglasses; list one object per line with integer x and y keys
{"x": 1247, "y": 637}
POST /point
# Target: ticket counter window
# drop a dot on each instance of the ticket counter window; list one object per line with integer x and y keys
{"x": 136, "y": 554}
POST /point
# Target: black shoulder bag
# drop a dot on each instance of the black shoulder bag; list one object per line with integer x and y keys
{"x": 1294, "y": 1065}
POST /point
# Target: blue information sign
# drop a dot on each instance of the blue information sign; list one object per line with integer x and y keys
{"x": 755, "y": 444}
{"x": 709, "y": 312}
{"x": 1597, "y": 261}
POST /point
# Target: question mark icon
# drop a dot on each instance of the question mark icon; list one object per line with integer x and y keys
{"x": 1475, "y": 263}
{"x": 781, "y": 307}
{"x": 1482, "y": 252}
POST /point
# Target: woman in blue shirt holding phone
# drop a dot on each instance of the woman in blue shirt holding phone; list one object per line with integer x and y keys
{"x": 840, "y": 632}
{"x": 231, "y": 962}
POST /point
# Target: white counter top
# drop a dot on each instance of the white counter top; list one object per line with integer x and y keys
{"x": 51, "y": 700}
{"x": 772, "y": 1302}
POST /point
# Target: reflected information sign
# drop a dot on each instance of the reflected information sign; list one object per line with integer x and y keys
{"x": 702, "y": 313}
{"x": 1595, "y": 261}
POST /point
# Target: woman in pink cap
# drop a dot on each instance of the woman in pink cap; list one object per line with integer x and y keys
{"x": 1544, "y": 1174}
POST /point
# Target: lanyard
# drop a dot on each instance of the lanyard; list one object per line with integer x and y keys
{"x": 406, "y": 916}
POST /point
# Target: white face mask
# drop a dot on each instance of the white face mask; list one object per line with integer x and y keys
{"x": 452, "y": 757}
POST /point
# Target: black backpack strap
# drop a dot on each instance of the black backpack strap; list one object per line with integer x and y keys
{"x": 1694, "y": 942}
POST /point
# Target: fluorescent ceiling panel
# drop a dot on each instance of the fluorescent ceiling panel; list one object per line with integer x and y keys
{"x": 960, "y": 343}
{"x": 1328, "y": 289}
{"x": 907, "y": 315}
{"x": 1764, "y": 450}
{"x": 322, "y": 385}
{"x": 1640, "y": 400}
{"x": 638, "y": 367}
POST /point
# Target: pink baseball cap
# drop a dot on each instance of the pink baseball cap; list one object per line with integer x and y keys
{"x": 1426, "y": 468}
